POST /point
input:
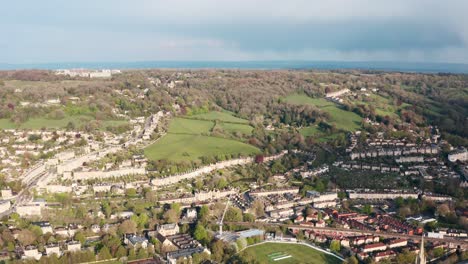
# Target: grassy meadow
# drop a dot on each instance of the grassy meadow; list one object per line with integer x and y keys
{"x": 190, "y": 138}
{"x": 343, "y": 119}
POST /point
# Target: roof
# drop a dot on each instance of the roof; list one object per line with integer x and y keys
{"x": 376, "y": 245}
{"x": 136, "y": 239}
{"x": 168, "y": 226}
{"x": 251, "y": 233}
{"x": 184, "y": 252}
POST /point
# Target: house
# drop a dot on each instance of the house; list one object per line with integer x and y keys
{"x": 31, "y": 252}
{"x": 384, "y": 255}
{"x": 4, "y": 206}
{"x": 61, "y": 231}
{"x": 135, "y": 241}
{"x": 191, "y": 213}
{"x": 173, "y": 256}
{"x": 320, "y": 223}
{"x": 6, "y": 193}
{"x": 73, "y": 228}
{"x": 374, "y": 247}
{"x": 166, "y": 244}
{"x": 32, "y": 209}
{"x": 458, "y": 155}
{"x": 45, "y": 227}
{"x": 398, "y": 243}
{"x": 73, "y": 246}
{"x": 95, "y": 229}
{"x": 299, "y": 219}
{"x": 168, "y": 229}
{"x": 185, "y": 245}
{"x": 320, "y": 239}
{"x": 345, "y": 242}
{"x": 52, "y": 249}
{"x": 362, "y": 256}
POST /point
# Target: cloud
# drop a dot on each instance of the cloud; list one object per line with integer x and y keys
{"x": 119, "y": 30}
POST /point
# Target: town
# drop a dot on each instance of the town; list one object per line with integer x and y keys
{"x": 143, "y": 167}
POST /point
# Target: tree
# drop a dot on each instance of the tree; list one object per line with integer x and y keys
{"x": 128, "y": 227}
{"x": 335, "y": 246}
{"x": 106, "y": 208}
{"x": 79, "y": 236}
{"x": 200, "y": 233}
{"x": 217, "y": 251}
{"x": 104, "y": 253}
{"x": 406, "y": 257}
{"x": 121, "y": 252}
{"x": 367, "y": 209}
{"x": 249, "y": 217}
{"x": 204, "y": 213}
{"x": 233, "y": 214}
{"x": 171, "y": 216}
{"x": 438, "y": 252}
{"x": 130, "y": 192}
{"x": 443, "y": 210}
{"x": 352, "y": 260}
{"x": 26, "y": 237}
{"x": 142, "y": 253}
{"x": 131, "y": 254}
{"x": 241, "y": 243}
{"x": 198, "y": 258}
{"x": 258, "y": 208}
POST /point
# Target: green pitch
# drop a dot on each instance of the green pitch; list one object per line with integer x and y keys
{"x": 285, "y": 253}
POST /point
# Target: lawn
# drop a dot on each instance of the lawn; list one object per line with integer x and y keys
{"x": 6, "y": 124}
{"x": 180, "y": 147}
{"x": 267, "y": 252}
{"x": 221, "y": 116}
{"x": 343, "y": 119}
{"x": 233, "y": 128}
{"x": 190, "y": 139}
{"x": 302, "y": 99}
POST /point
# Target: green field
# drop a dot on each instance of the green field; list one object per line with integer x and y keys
{"x": 190, "y": 126}
{"x": 179, "y": 147}
{"x": 191, "y": 139}
{"x": 6, "y": 124}
{"x": 343, "y": 119}
{"x": 268, "y": 252}
{"x": 233, "y": 128}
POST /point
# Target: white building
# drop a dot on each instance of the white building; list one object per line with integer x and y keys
{"x": 31, "y": 252}
{"x": 460, "y": 155}
{"x": 6, "y": 193}
{"x": 73, "y": 246}
{"x": 52, "y": 249}
{"x": 168, "y": 229}
{"x": 29, "y": 210}
{"x": 4, "y": 206}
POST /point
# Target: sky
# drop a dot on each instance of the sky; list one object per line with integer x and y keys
{"x": 50, "y": 31}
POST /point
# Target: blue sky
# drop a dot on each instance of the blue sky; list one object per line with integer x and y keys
{"x": 150, "y": 30}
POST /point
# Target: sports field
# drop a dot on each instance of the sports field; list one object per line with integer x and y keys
{"x": 190, "y": 139}
{"x": 343, "y": 119}
{"x": 285, "y": 253}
